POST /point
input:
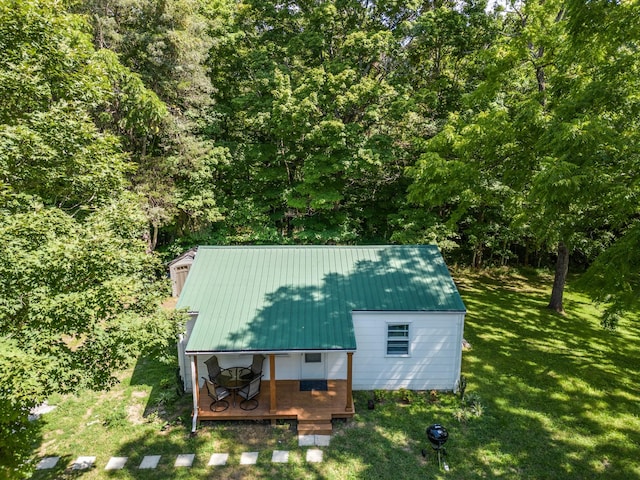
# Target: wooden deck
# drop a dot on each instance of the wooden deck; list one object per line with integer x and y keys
{"x": 313, "y": 410}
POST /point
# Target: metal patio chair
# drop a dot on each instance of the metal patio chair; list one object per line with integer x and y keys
{"x": 249, "y": 393}
{"x": 217, "y": 394}
{"x": 213, "y": 369}
{"x": 256, "y": 367}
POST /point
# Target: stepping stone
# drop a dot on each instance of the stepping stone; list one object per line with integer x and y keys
{"x": 218, "y": 459}
{"x": 248, "y": 458}
{"x": 150, "y": 461}
{"x": 314, "y": 455}
{"x": 47, "y": 463}
{"x": 82, "y": 463}
{"x": 280, "y": 456}
{"x": 306, "y": 440}
{"x": 116, "y": 463}
{"x": 36, "y": 412}
{"x": 323, "y": 440}
{"x": 185, "y": 460}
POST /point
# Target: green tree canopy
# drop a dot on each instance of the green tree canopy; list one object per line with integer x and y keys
{"x": 548, "y": 140}
{"x": 78, "y": 292}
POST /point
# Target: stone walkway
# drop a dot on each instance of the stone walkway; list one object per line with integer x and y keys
{"x": 313, "y": 455}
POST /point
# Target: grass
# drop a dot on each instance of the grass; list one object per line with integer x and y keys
{"x": 549, "y": 397}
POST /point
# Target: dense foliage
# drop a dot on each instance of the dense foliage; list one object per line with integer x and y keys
{"x": 79, "y": 289}
{"x": 127, "y": 128}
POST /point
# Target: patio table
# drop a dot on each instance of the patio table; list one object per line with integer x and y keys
{"x": 233, "y": 379}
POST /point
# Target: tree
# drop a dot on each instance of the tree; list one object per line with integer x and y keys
{"x": 551, "y": 125}
{"x": 166, "y": 44}
{"x": 78, "y": 292}
{"x": 609, "y": 54}
{"x": 315, "y": 103}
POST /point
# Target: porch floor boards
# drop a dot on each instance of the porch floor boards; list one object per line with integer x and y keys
{"x": 312, "y": 409}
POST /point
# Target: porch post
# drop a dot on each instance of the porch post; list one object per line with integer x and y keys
{"x": 272, "y": 384}
{"x": 195, "y": 389}
{"x": 349, "y": 407}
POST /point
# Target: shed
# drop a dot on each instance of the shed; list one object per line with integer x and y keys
{"x": 179, "y": 270}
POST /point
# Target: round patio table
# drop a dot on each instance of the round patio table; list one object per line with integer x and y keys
{"x": 233, "y": 379}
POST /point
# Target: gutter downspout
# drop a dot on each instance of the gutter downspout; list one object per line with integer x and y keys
{"x": 195, "y": 384}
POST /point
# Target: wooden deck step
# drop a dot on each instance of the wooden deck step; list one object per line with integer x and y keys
{"x": 315, "y": 429}
{"x": 314, "y": 424}
{"x": 307, "y": 416}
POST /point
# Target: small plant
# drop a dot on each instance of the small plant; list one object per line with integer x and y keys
{"x": 152, "y": 417}
{"x": 405, "y": 395}
{"x": 461, "y": 415}
{"x": 474, "y": 404}
{"x": 462, "y": 387}
{"x": 379, "y": 395}
{"x": 433, "y": 396}
{"x": 115, "y": 418}
{"x": 166, "y": 383}
{"x": 470, "y": 408}
{"x": 166, "y": 398}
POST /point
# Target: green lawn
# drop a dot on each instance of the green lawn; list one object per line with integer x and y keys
{"x": 548, "y": 397}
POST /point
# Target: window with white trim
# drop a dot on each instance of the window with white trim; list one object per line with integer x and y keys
{"x": 312, "y": 358}
{"x": 398, "y": 339}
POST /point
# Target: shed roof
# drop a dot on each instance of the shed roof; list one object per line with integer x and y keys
{"x": 279, "y": 298}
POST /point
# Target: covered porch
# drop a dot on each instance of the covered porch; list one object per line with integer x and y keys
{"x": 313, "y": 410}
{"x": 283, "y": 399}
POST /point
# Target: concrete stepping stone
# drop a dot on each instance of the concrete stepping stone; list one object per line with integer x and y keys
{"x": 36, "y": 412}
{"x": 47, "y": 463}
{"x": 185, "y": 460}
{"x": 306, "y": 440}
{"x": 150, "y": 461}
{"x": 218, "y": 459}
{"x": 249, "y": 458}
{"x": 82, "y": 463}
{"x": 116, "y": 463}
{"x": 314, "y": 440}
{"x": 280, "y": 456}
{"x": 322, "y": 440}
{"x": 314, "y": 455}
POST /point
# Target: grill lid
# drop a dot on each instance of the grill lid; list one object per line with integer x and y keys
{"x": 437, "y": 434}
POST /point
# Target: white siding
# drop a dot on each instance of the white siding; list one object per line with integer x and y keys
{"x": 435, "y": 351}
{"x": 183, "y": 360}
{"x": 288, "y": 365}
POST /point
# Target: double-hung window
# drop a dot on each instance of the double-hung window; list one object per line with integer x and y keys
{"x": 398, "y": 339}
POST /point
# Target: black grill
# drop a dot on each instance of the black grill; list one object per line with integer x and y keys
{"x": 437, "y": 436}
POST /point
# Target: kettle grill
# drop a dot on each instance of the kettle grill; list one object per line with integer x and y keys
{"x": 437, "y": 436}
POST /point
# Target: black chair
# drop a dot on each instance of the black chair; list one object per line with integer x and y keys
{"x": 218, "y": 394}
{"x": 249, "y": 393}
{"x": 256, "y": 368}
{"x": 213, "y": 368}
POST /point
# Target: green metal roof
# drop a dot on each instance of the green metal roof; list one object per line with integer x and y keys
{"x": 278, "y": 298}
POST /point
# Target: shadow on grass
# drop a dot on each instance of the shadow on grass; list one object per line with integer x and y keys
{"x": 559, "y": 398}
{"x": 232, "y": 438}
{"x": 561, "y": 392}
{"x": 164, "y": 396}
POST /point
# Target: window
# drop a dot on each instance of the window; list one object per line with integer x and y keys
{"x": 312, "y": 357}
{"x": 398, "y": 339}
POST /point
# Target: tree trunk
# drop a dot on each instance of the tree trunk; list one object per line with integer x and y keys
{"x": 562, "y": 267}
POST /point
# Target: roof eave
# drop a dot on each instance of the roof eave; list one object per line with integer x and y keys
{"x": 269, "y": 352}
